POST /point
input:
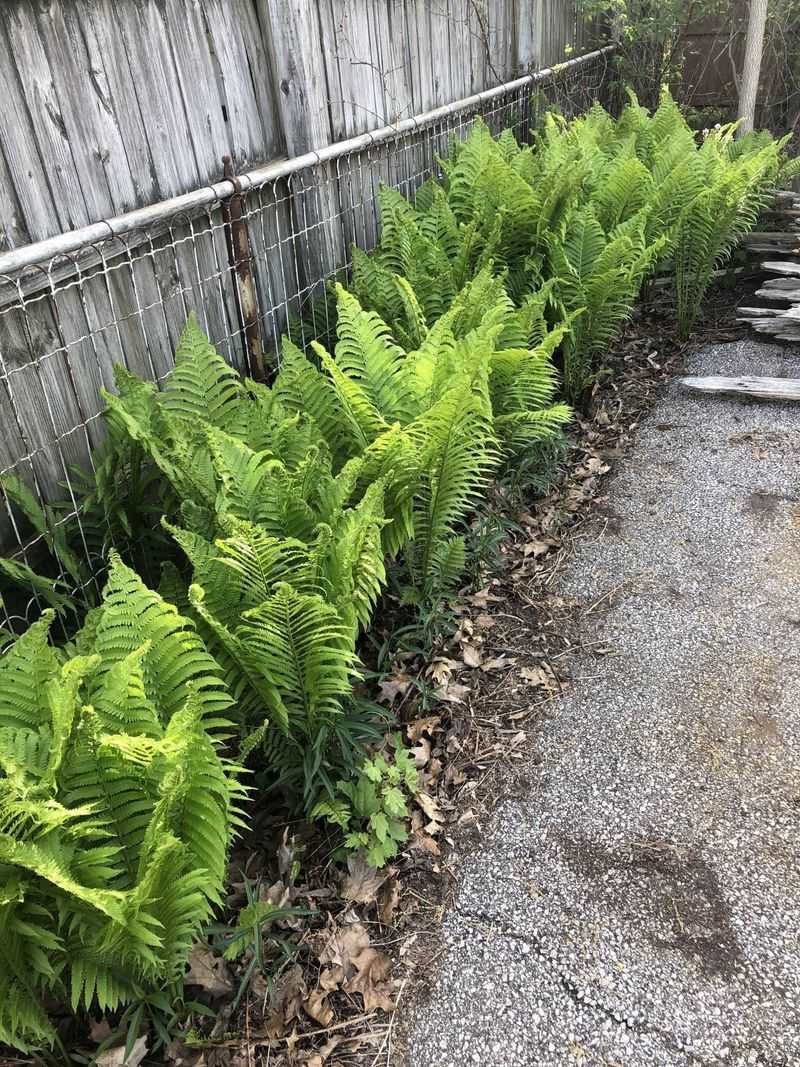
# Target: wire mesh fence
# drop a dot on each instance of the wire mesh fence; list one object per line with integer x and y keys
{"x": 67, "y": 320}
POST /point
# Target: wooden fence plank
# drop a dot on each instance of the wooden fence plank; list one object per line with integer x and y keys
{"x": 758, "y": 388}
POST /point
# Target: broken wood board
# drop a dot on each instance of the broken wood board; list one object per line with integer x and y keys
{"x": 758, "y": 388}
{"x": 780, "y": 266}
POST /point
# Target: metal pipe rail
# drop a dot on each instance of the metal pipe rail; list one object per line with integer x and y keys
{"x": 141, "y": 218}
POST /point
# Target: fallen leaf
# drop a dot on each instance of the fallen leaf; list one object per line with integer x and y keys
{"x": 286, "y": 1002}
{"x": 208, "y": 972}
{"x": 388, "y": 899}
{"x": 362, "y": 882}
{"x": 419, "y": 839}
{"x": 431, "y": 809}
{"x": 372, "y": 969}
{"x": 415, "y": 729}
{"x": 115, "y": 1057}
{"x": 471, "y": 655}
{"x": 393, "y": 687}
{"x": 317, "y": 1006}
{"x": 540, "y": 678}
{"x": 454, "y": 693}
{"x": 441, "y": 669}
{"x": 344, "y": 945}
{"x": 497, "y": 663}
{"x": 99, "y": 1029}
{"x": 421, "y": 752}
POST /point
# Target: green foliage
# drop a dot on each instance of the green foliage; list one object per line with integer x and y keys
{"x": 277, "y": 516}
{"x": 371, "y": 808}
{"x": 116, "y": 808}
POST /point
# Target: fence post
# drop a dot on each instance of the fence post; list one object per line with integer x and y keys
{"x": 240, "y": 257}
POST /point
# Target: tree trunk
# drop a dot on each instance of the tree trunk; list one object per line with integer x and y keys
{"x": 751, "y": 65}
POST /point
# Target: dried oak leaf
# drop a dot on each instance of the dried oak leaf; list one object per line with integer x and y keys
{"x": 316, "y": 1005}
{"x": 497, "y": 663}
{"x": 441, "y": 668}
{"x": 362, "y": 882}
{"x": 388, "y": 899}
{"x": 286, "y": 1002}
{"x": 471, "y": 655}
{"x": 394, "y": 686}
{"x": 415, "y": 729}
{"x": 431, "y": 809}
{"x": 372, "y": 968}
{"x": 208, "y": 972}
{"x": 536, "y": 548}
{"x": 540, "y": 678}
{"x": 341, "y": 948}
{"x": 454, "y": 693}
{"x": 421, "y": 752}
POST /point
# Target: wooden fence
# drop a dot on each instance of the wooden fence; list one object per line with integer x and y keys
{"x": 112, "y": 106}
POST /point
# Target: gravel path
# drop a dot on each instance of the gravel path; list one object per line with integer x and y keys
{"x": 642, "y": 904}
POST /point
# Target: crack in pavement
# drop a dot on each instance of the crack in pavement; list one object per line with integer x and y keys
{"x": 636, "y": 1023}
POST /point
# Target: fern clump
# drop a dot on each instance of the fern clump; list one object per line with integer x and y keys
{"x": 116, "y": 807}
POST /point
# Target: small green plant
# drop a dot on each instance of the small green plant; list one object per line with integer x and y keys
{"x": 372, "y": 808}
{"x": 252, "y": 938}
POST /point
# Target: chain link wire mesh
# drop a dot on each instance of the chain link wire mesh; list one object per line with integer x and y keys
{"x": 66, "y": 322}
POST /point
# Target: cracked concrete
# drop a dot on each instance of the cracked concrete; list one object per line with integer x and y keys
{"x": 642, "y": 905}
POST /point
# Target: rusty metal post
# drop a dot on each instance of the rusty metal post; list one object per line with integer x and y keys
{"x": 237, "y": 239}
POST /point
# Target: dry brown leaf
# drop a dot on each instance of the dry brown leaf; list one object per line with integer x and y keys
{"x": 115, "y": 1057}
{"x": 208, "y": 972}
{"x": 343, "y": 946}
{"x": 394, "y": 686}
{"x": 388, "y": 899}
{"x": 421, "y": 752}
{"x": 454, "y": 693}
{"x": 540, "y": 678}
{"x": 362, "y": 882}
{"x": 431, "y": 809}
{"x": 415, "y": 729}
{"x": 372, "y": 968}
{"x": 419, "y": 839}
{"x": 317, "y": 1006}
{"x": 99, "y": 1029}
{"x": 481, "y": 598}
{"x": 431, "y": 774}
{"x": 183, "y": 1055}
{"x": 441, "y": 668}
{"x": 471, "y": 655}
{"x": 286, "y": 1002}
{"x": 497, "y": 663}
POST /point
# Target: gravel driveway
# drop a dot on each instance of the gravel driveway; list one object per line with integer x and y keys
{"x": 642, "y": 904}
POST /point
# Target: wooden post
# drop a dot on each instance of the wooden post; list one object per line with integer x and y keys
{"x": 751, "y": 65}
{"x": 240, "y": 258}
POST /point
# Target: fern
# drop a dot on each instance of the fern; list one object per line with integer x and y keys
{"x": 116, "y": 810}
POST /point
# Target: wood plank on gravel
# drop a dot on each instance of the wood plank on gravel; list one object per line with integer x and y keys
{"x": 760, "y": 388}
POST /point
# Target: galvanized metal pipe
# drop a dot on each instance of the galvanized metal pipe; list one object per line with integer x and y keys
{"x": 141, "y": 218}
